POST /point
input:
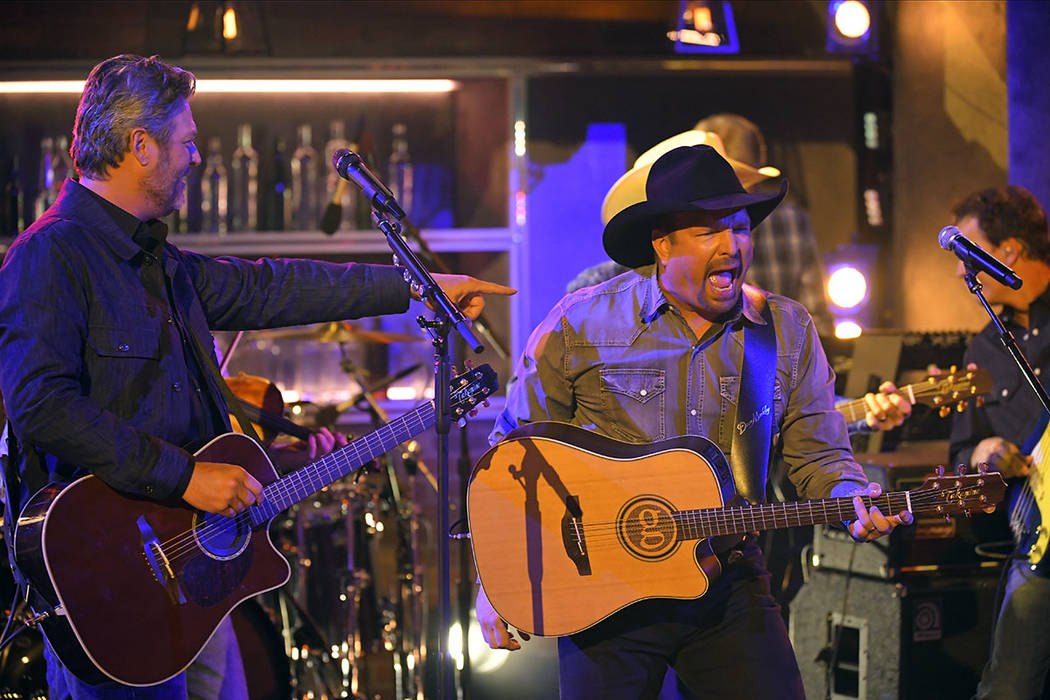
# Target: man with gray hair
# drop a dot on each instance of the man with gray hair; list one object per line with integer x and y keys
{"x": 105, "y": 332}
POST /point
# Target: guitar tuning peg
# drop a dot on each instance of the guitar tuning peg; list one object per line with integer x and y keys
{"x": 944, "y": 411}
{"x": 983, "y": 468}
{"x": 469, "y": 364}
{"x": 953, "y": 369}
{"x": 472, "y": 413}
{"x": 979, "y": 401}
{"x": 939, "y": 470}
{"x": 486, "y": 403}
{"x": 462, "y": 422}
{"x": 960, "y": 469}
{"x": 960, "y": 407}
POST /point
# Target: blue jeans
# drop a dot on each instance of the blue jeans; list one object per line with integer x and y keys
{"x": 216, "y": 674}
{"x": 1020, "y": 656}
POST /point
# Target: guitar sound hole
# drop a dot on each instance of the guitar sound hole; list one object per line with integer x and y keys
{"x": 647, "y": 529}
{"x": 220, "y": 537}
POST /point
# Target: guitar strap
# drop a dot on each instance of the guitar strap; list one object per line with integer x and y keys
{"x": 204, "y": 359}
{"x": 753, "y": 426}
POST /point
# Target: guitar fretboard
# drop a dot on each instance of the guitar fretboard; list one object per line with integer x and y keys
{"x": 712, "y": 522}
{"x": 295, "y": 487}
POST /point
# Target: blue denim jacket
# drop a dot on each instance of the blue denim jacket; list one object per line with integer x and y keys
{"x": 618, "y": 358}
{"x": 92, "y": 366}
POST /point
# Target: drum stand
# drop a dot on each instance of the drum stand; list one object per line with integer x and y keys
{"x": 409, "y": 648}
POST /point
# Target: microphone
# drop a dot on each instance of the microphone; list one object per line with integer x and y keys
{"x": 974, "y": 256}
{"x": 350, "y": 167}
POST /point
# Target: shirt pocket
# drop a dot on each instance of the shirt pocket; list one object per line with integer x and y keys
{"x": 636, "y": 400}
{"x": 141, "y": 342}
{"x": 123, "y": 366}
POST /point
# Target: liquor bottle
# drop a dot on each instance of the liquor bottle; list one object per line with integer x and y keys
{"x": 62, "y": 162}
{"x": 337, "y": 140}
{"x": 14, "y": 202}
{"x": 47, "y": 191}
{"x": 214, "y": 190}
{"x": 399, "y": 169}
{"x": 279, "y": 197}
{"x": 244, "y": 183}
{"x": 306, "y": 187}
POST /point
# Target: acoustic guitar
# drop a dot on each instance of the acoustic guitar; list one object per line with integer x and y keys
{"x": 568, "y": 526}
{"x": 134, "y": 588}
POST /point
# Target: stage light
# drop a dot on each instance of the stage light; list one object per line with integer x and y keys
{"x": 852, "y": 19}
{"x": 705, "y": 26}
{"x": 846, "y": 329}
{"x": 847, "y": 287}
{"x": 852, "y": 27}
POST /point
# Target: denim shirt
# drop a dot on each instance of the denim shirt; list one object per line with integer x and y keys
{"x": 620, "y": 359}
{"x": 93, "y": 368}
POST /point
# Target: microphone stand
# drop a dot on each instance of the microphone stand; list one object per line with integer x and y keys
{"x": 1007, "y": 338}
{"x": 446, "y": 319}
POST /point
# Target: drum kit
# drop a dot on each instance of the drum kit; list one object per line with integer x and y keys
{"x": 351, "y": 621}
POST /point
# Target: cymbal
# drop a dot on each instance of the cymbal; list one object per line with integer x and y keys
{"x": 336, "y": 332}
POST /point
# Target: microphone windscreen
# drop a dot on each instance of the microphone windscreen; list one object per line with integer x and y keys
{"x": 945, "y": 236}
{"x": 332, "y": 214}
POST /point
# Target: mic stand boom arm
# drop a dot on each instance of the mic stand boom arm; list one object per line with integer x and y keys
{"x": 1007, "y": 338}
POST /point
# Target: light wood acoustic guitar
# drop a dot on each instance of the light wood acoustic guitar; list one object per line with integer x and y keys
{"x": 568, "y": 526}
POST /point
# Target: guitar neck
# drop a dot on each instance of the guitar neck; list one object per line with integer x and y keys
{"x": 297, "y": 486}
{"x": 856, "y": 409}
{"x": 712, "y": 522}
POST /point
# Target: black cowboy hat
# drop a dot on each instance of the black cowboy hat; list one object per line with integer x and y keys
{"x": 693, "y": 178}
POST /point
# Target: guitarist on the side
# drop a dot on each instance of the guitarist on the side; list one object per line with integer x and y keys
{"x": 99, "y": 315}
{"x": 655, "y": 353}
{"x": 1009, "y": 223}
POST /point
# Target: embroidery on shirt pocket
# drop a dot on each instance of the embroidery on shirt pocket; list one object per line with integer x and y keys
{"x": 641, "y": 395}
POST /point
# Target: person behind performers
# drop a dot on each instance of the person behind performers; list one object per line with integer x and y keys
{"x": 1009, "y": 223}
{"x": 97, "y": 315}
{"x": 676, "y": 330}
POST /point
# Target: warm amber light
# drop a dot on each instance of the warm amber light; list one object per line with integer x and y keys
{"x": 852, "y": 19}
{"x": 847, "y": 329}
{"x": 229, "y": 24}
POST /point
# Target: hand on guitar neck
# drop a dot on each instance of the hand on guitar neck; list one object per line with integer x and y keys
{"x": 1002, "y": 456}
{"x": 886, "y": 409}
{"x": 870, "y": 524}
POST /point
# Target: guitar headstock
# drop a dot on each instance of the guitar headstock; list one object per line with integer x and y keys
{"x": 952, "y": 494}
{"x": 471, "y": 387}
{"x": 953, "y": 390}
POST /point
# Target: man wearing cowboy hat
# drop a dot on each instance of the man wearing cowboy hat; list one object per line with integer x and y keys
{"x": 659, "y": 354}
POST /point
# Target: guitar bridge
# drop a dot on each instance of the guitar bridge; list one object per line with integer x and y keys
{"x": 158, "y": 562}
{"x": 573, "y": 536}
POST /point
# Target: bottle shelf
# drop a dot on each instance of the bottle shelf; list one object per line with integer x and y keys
{"x": 307, "y": 243}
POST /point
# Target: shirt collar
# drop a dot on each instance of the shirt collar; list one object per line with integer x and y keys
{"x": 655, "y": 301}
{"x": 148, "y": 235}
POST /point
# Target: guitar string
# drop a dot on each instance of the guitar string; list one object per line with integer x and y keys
{"x": 764, "y": 517}
{"x": 309, "y": 477}
{"x": 294, "y": 485}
